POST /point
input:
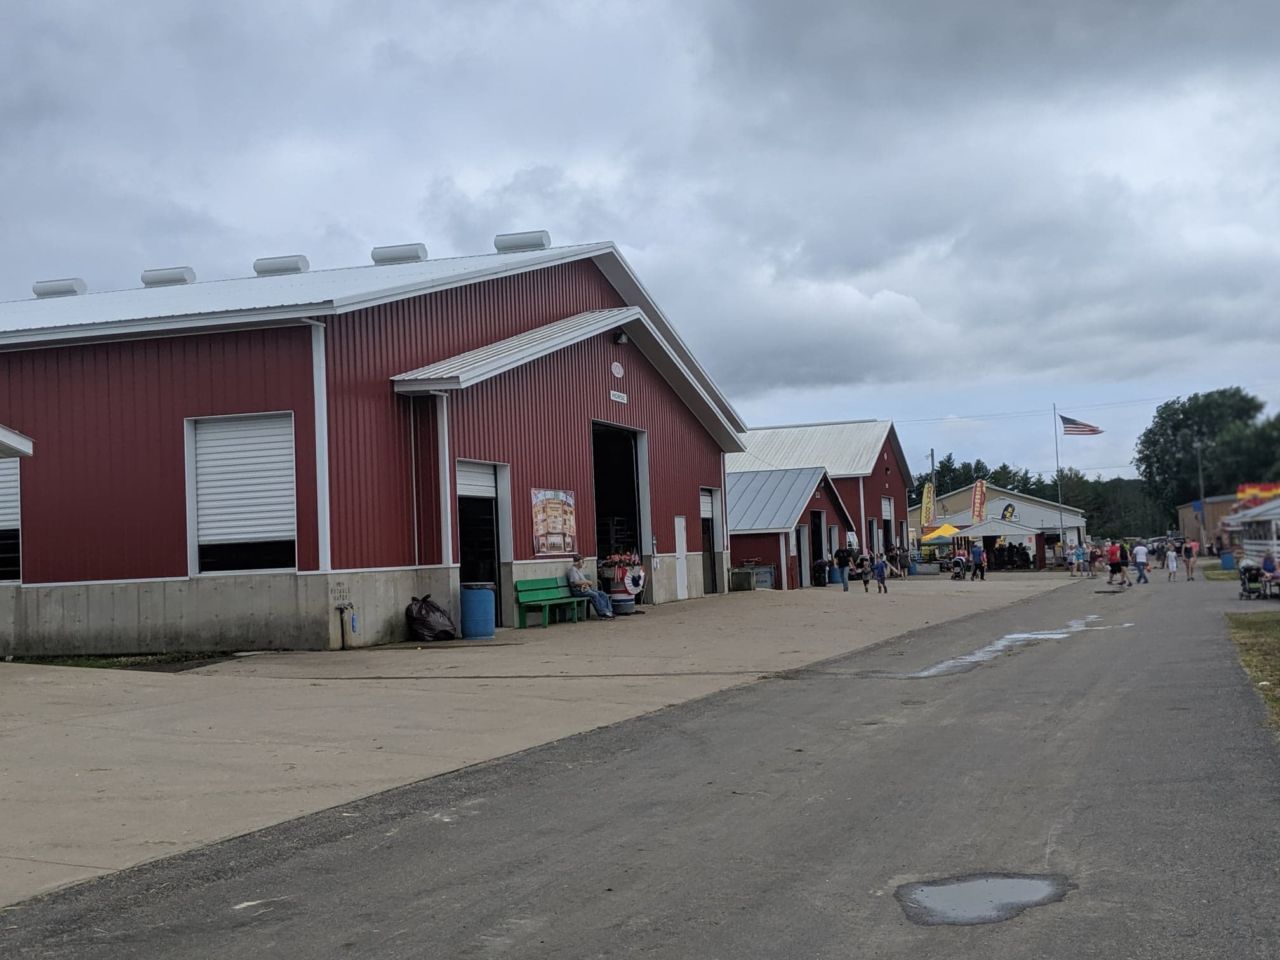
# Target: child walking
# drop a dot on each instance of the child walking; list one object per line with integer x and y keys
{"x": 1171, "y": 563}
{"x": 881, "y": 571}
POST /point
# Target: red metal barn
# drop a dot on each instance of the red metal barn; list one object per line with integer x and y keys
{"x": 778, "y": 517}
{"x": 864, "y": 460}
{"x": 283, "y": 460}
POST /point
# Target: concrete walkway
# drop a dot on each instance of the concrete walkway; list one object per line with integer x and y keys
{"x": 104, "y": 769}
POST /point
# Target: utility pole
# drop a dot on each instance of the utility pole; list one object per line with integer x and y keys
{"x": 1199, "y": 444}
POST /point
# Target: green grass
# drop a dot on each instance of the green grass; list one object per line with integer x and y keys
{"x": 135, "y": 662}
{"x": 1257, "y": 639}
{"x": 1217, "y": 573}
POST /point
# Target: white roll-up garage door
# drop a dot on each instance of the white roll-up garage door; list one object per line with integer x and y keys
{"x": 705, "y": 505}
{"x": 10, "y": 509}
{"x": 477, "y": 480}
{"x": 245, "y": 479}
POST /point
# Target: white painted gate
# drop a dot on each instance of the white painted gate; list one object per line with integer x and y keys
{"x": 682, "y": 560}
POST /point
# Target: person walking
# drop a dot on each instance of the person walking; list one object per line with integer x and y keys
{"x": 1189, "y": 551}
{"x": 864, "y": 571}
{"x": 1124, "y": 565}
{"x": 1113, "y": 561}
{"x": 1140, "y": 561}
{"x": 843, "y": 557}
{"x": 979, "y": 558}
{"x": 881, "y": 571}
{"x": 1171, "y": 562}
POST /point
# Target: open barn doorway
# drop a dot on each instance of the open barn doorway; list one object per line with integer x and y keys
{"x": 617, "y": 491}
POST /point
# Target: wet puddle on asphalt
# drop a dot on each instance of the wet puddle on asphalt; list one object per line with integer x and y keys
{"x": 980, "y": 898}
{"x": 1010, "y": 641}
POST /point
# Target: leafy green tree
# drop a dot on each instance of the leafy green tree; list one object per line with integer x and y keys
{"x": 1220, "y": 421}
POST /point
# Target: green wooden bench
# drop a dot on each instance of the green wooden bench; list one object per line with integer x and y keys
{"x": 545, "y": 595}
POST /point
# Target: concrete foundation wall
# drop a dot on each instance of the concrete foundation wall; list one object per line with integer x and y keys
{"x": 694, "y": 563}
{"x": 270, "y": 611}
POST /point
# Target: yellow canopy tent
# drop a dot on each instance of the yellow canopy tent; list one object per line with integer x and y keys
{"x": 944, "y": 532}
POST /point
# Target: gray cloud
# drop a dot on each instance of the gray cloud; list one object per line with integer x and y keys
{"x": 828, "y": 198}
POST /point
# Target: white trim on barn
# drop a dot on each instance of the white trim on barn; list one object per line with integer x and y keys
{"x": 320, "y": 393}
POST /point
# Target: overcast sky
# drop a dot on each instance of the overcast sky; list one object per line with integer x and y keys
{"x": 907, "y": 210}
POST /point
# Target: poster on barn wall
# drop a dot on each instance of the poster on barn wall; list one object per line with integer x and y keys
{"x": 555, "y": 525}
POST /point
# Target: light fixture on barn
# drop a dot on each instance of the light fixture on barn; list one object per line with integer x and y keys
{"x": 620, "y": 336}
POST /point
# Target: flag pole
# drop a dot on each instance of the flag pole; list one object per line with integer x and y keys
{"x": 1057, "y": 462}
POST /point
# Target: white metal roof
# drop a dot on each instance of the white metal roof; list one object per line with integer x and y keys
{"x": 315, "y": 292}
{"x": 14, "y": 444}
{"x": 769, "y": 501}
{"x": 492, "y": 359}
{"x": 848, "y": 449}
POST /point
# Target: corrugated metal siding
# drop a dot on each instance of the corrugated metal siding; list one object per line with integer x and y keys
{"x": 105, "y": 494}
{"x": 538, "y": 419}
{"x": 370, "y": 472}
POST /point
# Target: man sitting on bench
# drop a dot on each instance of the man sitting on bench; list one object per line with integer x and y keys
{"x": 581, "y": 585}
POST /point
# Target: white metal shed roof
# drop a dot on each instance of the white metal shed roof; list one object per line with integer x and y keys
{"x": 14, "y": 444}
{"x": 848, "y": 449}
{"x": 290, "y": 294}
{"x": 495, "y": 358}
{"x": 771, "y": 501}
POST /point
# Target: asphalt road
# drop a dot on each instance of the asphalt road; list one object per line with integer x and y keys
{"x": 778, "y": 819}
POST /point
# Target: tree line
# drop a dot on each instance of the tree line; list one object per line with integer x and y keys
{"x": 1236, "y": 445}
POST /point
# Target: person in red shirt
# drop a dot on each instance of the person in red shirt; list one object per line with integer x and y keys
{"x": 1114, "y": 569}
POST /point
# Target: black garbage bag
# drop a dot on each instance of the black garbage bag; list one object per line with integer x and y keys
{"x": 428, "y": 621}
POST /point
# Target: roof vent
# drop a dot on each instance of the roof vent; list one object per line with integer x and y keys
{"x": 168, "y": 276}
{"x": 399, "y": 253}
{"x": 70, "y": 287}
{"x": 273, "y": 266}
{"x": 515, "y": 242}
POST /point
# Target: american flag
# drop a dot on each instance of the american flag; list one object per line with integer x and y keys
{"x": 1078, "y": 428}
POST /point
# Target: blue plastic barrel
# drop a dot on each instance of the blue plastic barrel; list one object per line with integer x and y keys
{"x": 1228, "y": 561}
{"x": 478, "y": 611}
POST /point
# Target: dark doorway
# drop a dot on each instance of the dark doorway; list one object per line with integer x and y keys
{"x": 888, "y": 534}
{"x": 817, "y": 530}
{"x": 709, "y": 556}
{"x": 478, "y": 543}
{"x": 617, "y": 497}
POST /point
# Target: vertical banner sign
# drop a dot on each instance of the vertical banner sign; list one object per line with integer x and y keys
{"x": 555, "y": 527}
{"x": 978, "y": 506}
{"x": 927, "y": 506}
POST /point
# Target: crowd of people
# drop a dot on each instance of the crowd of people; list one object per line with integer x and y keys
{"x": 1117, "y": 557}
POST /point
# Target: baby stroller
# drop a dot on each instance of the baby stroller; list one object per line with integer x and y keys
{"x": 957, "y": 568}
{"x": 1250, "y": 583}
